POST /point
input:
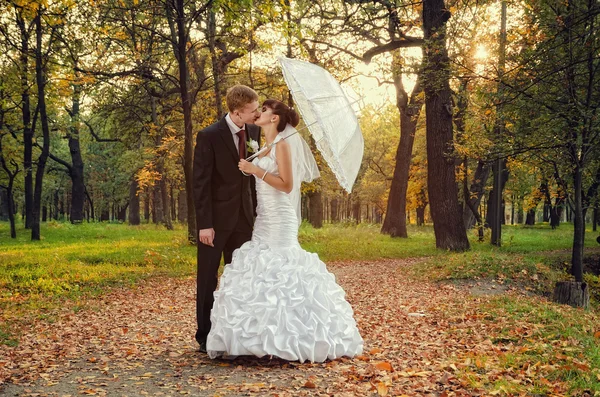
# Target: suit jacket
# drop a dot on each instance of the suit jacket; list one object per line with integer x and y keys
{"x": 221, "y": 191}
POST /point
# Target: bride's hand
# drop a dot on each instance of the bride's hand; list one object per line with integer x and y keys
{"x": 247, "y": 167}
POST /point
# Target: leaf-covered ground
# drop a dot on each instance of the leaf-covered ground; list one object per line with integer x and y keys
{"x": 420, "y": 339}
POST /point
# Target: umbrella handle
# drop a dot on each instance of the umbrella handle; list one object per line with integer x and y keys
{"x": 249, "y": 159}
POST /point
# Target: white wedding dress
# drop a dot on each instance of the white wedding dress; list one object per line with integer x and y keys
{"x": 276, "y": 298}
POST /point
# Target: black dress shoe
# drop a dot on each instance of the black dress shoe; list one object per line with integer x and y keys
{"x": 202, "y": 348}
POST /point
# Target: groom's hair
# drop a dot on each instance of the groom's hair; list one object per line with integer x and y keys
{"x": 239, "y": 96}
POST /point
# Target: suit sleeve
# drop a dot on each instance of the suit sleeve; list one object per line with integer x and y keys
{"x": 204, "y": 160}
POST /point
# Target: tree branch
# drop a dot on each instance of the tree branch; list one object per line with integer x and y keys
{"x": 406, "y": 42}
{"x": 98, "y": 139}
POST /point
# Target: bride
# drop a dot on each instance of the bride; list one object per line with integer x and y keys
{"x": 275, "y": 298}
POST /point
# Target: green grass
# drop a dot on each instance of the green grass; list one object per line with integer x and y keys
{"x": 76, "y": 260}
{"x": 561, "y": 342}
{"x": 537, "y": 256}
{"x": 365, "y": 242}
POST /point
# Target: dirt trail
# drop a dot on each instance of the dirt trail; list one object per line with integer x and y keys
{"x": 139, "y": 341}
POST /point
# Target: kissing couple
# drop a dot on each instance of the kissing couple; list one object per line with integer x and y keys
{"x": 274, "y": 298}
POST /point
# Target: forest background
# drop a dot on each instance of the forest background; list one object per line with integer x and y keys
{"x": 473, "y": 114}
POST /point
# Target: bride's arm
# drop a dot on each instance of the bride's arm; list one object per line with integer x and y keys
{"x": 283, "y": 181}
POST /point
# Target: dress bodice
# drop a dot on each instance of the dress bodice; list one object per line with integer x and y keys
{"x": 276, "y": 220}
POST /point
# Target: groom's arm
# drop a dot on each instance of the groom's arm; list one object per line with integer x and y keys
{"x": 204, "y": 160}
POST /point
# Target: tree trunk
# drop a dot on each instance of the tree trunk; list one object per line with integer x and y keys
{"x": 530, "y": 220}
{"x": 188, "y": 149}
{"x": 216, "y": 67}
{"x": 182, "y": 210}
{"x": 11, "y": 211}
{"x": 348, "y": 206}
{"x": 122, "y": 213}
{"x": 356, "y": 211}
{"x": 164, "y": 193}
{"x": 4, "y": 210}
{"x": 77, "y": 168}
{"x": 27, "y": 128}
{"x": 471, "y": 213}
{"x": 55, "y": 211}
{"x": 157, "y": 210}
{"x": 512, "y": 210}
{"x": 395, "y": 215}
{"x": 499, "y": 166}
{"x": 450, "y": 232}
{"x": 41, "y": 163}
{"x": 555, "y": 213}
{"x": 546, "y": 214}
{"x": 173, "y": 204}
{"x": 91, "y": 204}
{"x": 334, "y": 210}
{"x": 421, "y": 215}
{"x": 576, "y": 294}
{"x": 163, "y": 211}
{"x": 579, "y": 226}
{"x": 7, "y": 202}
{"x": 315, "y": 210}
{"x": 147, "y": 205}
{"x": 489, "y": 217}
{"x": 134, "y": 202}
{"x": 594, "y": 218}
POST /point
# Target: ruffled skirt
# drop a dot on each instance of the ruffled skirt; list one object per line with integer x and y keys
{"x": 281, "y": 302}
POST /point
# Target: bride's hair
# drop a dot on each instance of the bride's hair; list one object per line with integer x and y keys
{"x": 287, "y": 115}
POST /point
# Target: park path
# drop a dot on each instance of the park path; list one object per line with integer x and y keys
{"x": 139, "y": 341}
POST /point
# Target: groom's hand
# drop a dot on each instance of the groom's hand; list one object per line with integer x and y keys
{"x": 206, "y": 236}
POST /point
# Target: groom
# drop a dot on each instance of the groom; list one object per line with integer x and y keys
{"x": 224, "y": 198}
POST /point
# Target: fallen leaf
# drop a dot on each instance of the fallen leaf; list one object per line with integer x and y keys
{"x": 382, "y": 389}
{"x": 384, "y": 366}
{"x": 310, "y": 385}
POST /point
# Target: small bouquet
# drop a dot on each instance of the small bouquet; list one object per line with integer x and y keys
{"x": 252, "y": 146}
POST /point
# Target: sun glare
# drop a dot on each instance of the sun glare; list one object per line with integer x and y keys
{"x": 481, "y": 53}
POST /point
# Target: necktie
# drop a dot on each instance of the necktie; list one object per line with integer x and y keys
{"x": 242, "y": 143}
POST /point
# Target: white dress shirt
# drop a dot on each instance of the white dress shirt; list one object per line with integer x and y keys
{"x": 234, "y": 130}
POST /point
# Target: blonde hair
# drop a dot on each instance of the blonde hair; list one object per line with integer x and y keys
{"x": 239, "y": 96}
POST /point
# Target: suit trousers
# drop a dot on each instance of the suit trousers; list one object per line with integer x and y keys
{"x": 209, "y": 259}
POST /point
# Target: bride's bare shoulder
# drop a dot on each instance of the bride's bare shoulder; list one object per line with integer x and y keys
{"x": 283, "y": 148}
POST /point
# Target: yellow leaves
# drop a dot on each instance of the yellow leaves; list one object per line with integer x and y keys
{"x": 120, "y": 35}
{"x": 146, "y": 177}
{"x": 63, "y": 87}
{"x": 253, "y": 387}
{"x": 413, "y": 374}
{"x": 382, "y": 389}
